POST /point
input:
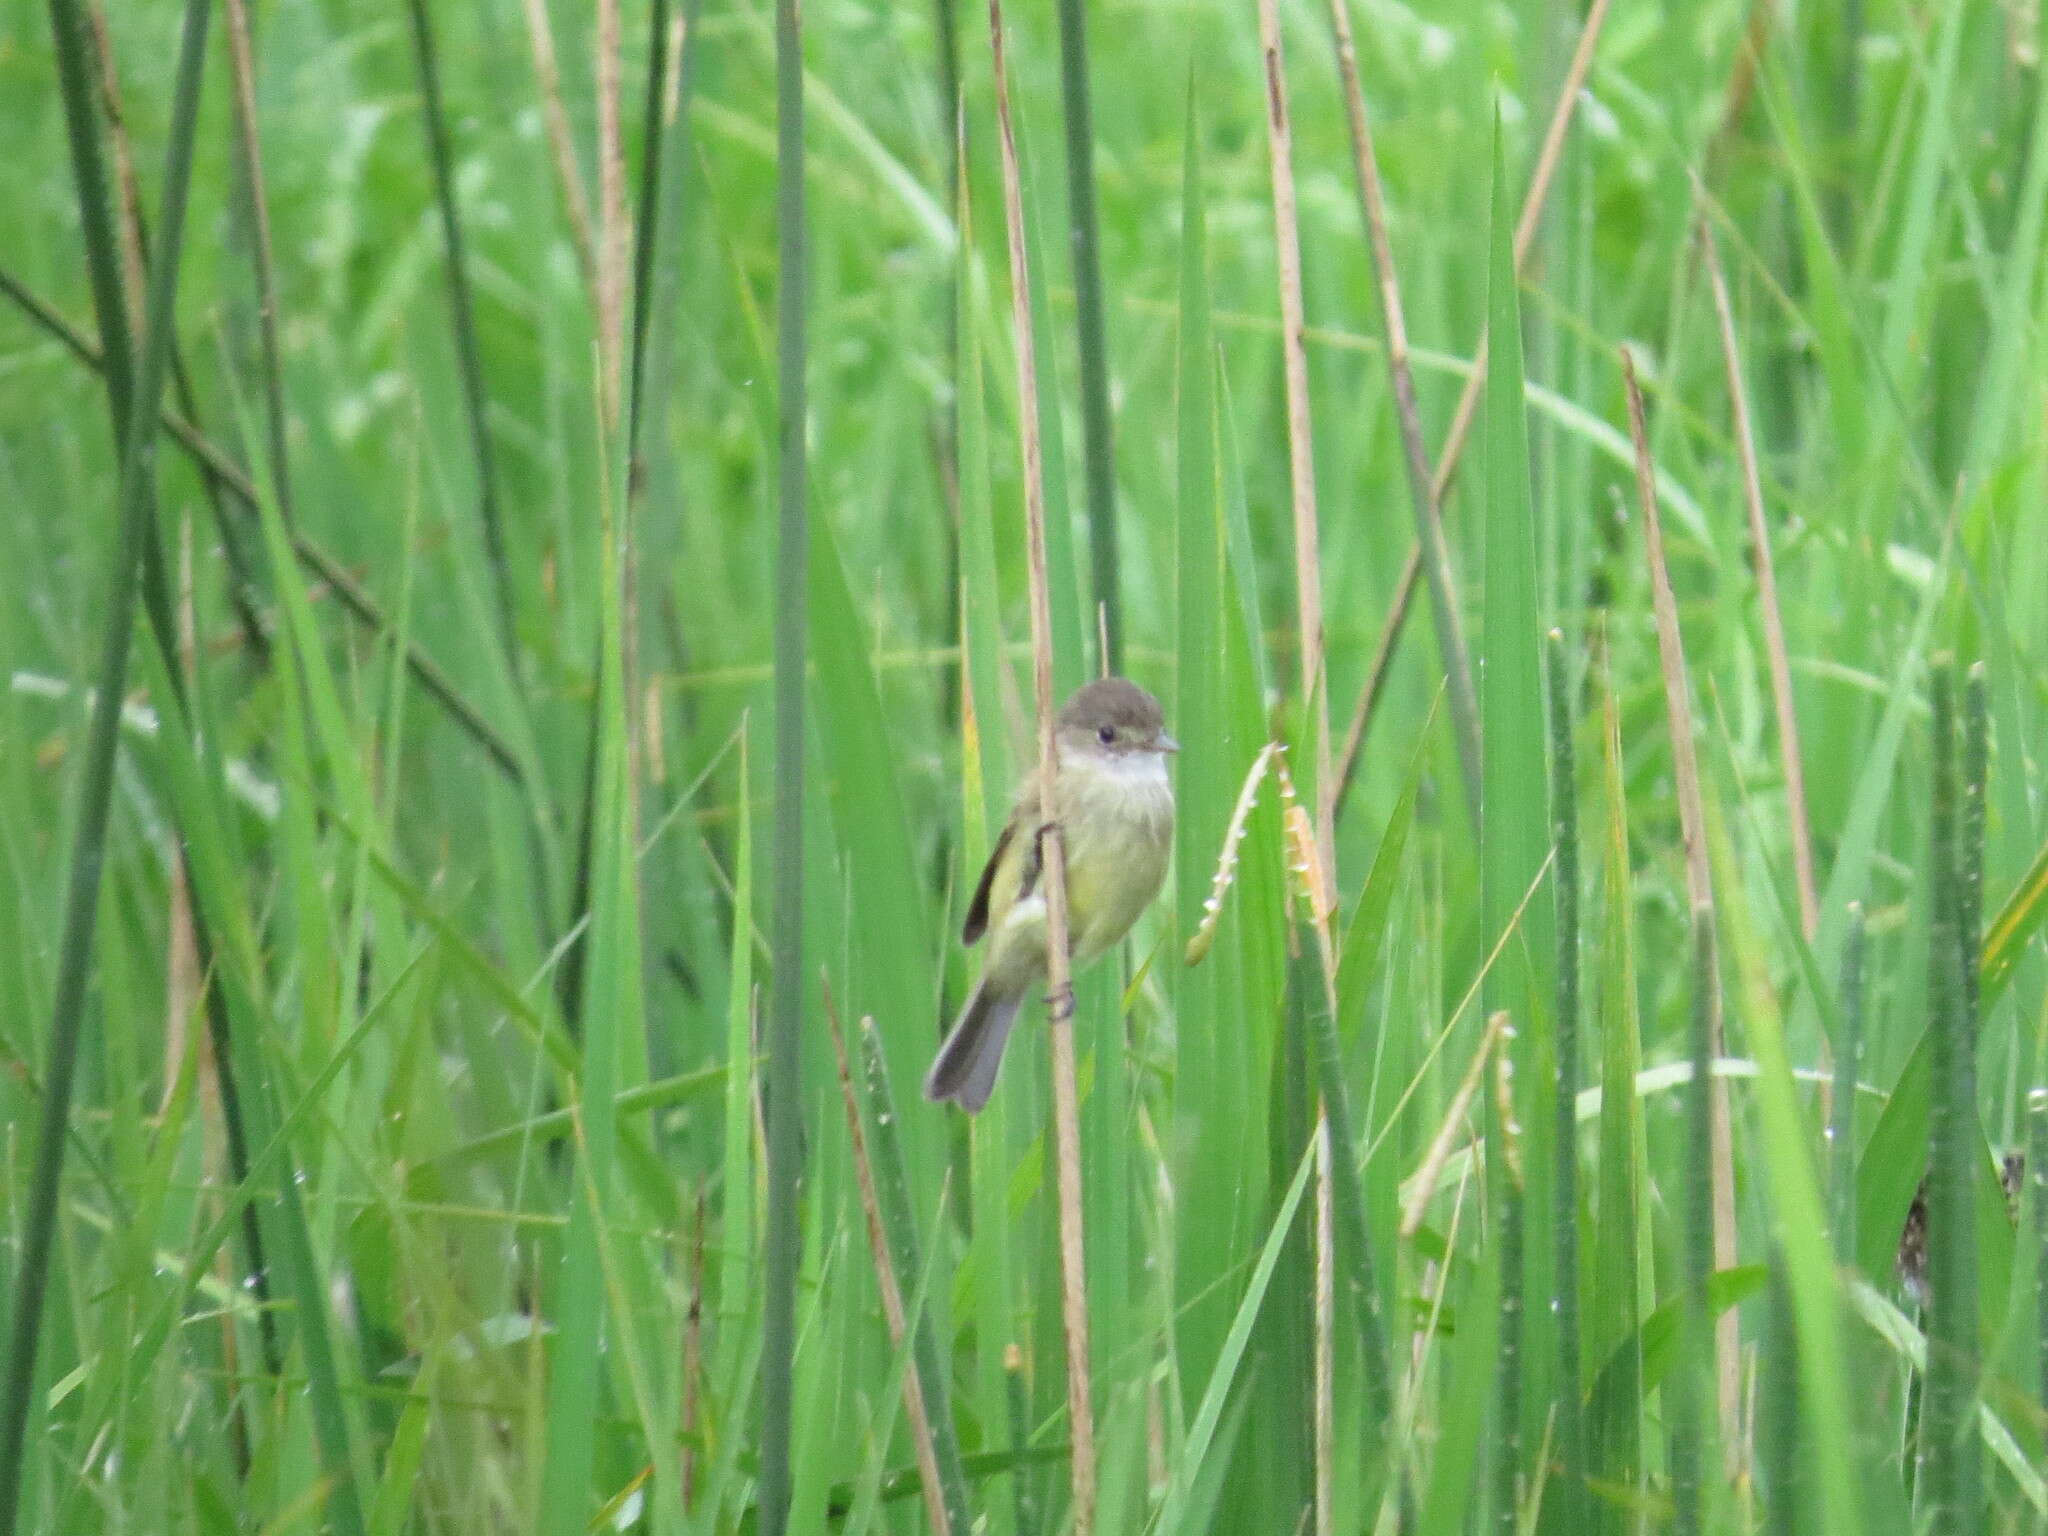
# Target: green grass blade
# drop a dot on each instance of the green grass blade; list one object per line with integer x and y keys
{"x": 1515, "y": 822}
{"x": 1622, "y": 1239}
{"x": 462, "y": 318}
{"x": 792, "y": 607}
{"x": 1950, "y": 1377}
{"x": 81, "y": 897}
{"x": 1223, "y": 1380}
{"x": 1564, "y": 812}
{"x": 1098, "y": 453}
{"x": 899, "y": 1222}
{"x": 1848, "y": 1081}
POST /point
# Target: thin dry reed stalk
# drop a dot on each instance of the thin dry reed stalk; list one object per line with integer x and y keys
{"x": 1059, "y": 981}
{"x": 1685, "y": 772}
{"x": 1767, "y": 596}
{"x": 547, "y": 74}
{"x": 1301, "y": 461}
{"x": 1423, "y": 1185}
{"x": 134, "y": 261}
{"x": 891, "y": 1288}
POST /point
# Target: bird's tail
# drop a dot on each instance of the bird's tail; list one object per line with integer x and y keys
{"x": 965, "y": 1068}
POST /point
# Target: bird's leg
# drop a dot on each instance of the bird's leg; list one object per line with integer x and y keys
{"x": 1060, "y": 1003}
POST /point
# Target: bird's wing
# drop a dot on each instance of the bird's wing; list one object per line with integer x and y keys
{"x": 1027, "y": 877}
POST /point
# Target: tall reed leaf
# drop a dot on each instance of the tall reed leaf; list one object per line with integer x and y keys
{"x": 783, "y": 1108}
{"x": 1098, "y": 454}
{"x": 1515, "y": 815}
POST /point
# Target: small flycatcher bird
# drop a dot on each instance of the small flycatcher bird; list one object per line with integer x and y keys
{"x": 1114, "y": 806}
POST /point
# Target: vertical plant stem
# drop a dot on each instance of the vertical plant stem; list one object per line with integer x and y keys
{"x": 462, "y": 313}
{"x": 1951, "y": 1226}
{"x": 2037, "y": 1188}
{"x": 1059, "y": 982}
{"x": 1848, "y": 1074}
{"x": 792, "y": 582}
{"x": 1767, "y": 596}
{"x": 1564, "y": 883}
{"x": 613, "y": 238}
{"x": 1301, "y": 460}
{"x": 1952, "y": 1218}
{"x": 1685, "y": 772}
{"x": 1353, "y": 1236}
{"x": 1687, "y": 1407}
{"x": 952, "y": 132}
{"x": 1514, "y": 836}
{"x": 646, "y": 235}
{"x": 1325, "y": 1322}
{"x": 1098, "y": 451}
{"x": 1976, "y": 766}
{"x": 242, "y": 69}
{"x": 1504, "y": 1166}
{"x": 129, "y": 228}
{"x": 1778, "y": 1415}
{"x": 82, "y": 883}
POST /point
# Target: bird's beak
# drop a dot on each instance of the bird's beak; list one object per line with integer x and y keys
{"x": 1167, "y": 743}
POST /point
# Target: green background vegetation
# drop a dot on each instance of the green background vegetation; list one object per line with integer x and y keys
{"x": 491, "y": 982}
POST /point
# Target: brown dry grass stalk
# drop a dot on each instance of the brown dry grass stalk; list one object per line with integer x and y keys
{"x": 181, "y": 961}
{"x": 693, "y": 1358}
{"x": 891, "y": 1288}
{"x": 1767, "y": 596}
{"x": 1468, "y": 399}
{"x": 1685, "y": 772}
{"x": 1301, "y": 463}
{"x": 1059, "y": 980}
{"x": 129, "y": 226}
{"x": 547, "y": 73}
{"x": 1429, "y": 1173}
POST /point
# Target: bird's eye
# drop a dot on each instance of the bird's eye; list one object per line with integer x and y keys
{"x": 1105, "y": 734}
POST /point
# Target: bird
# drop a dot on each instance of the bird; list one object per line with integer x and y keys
{"x": 1911, "y": 1260}
{"x": 1112, "y": 800}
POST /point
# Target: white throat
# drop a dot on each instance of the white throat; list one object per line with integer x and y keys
{"x": 1129, "y": 769}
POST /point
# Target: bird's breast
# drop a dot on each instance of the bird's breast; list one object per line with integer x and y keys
{"x": 1118, "y": 826}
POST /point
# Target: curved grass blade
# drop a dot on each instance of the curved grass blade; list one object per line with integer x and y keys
{"x": 1223, "y": 1378}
